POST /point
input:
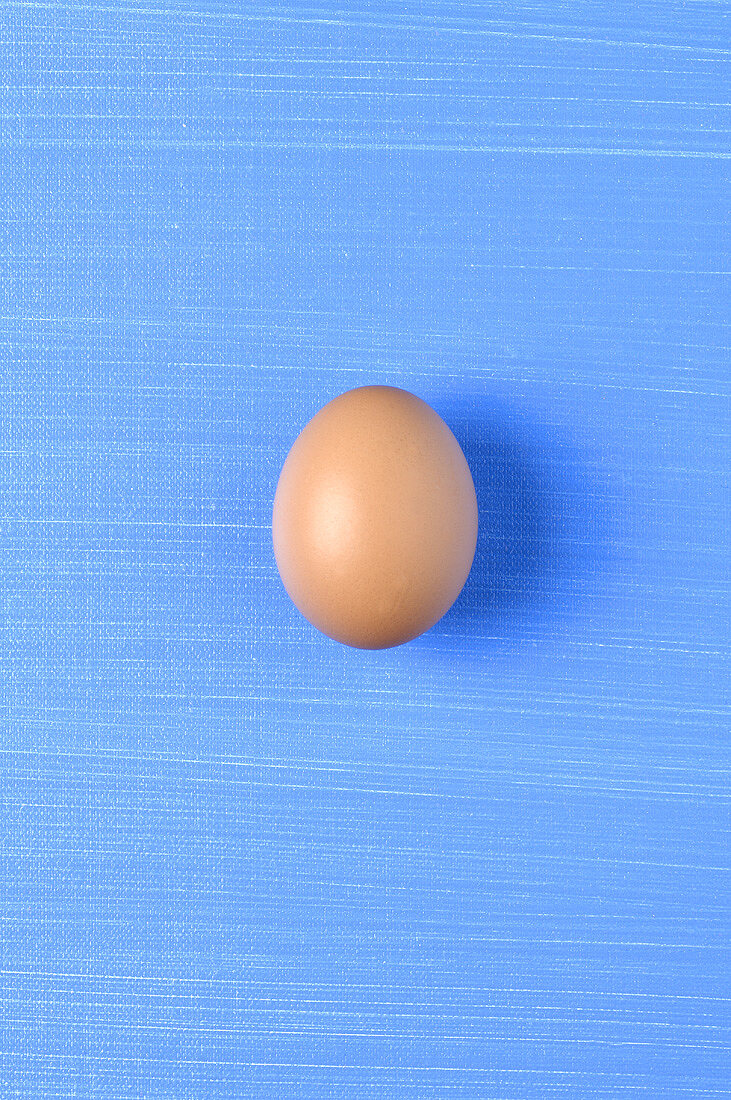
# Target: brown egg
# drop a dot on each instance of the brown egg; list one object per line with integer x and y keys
{"x": 375, "y": 518}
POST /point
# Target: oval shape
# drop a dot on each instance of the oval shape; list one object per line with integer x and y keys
{"x": 375, "y": 518}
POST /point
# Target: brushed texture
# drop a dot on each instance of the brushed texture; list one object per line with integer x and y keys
{"x": 239, "y": 860}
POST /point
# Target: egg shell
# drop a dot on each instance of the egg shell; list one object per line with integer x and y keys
{"x": 375, "y": 518}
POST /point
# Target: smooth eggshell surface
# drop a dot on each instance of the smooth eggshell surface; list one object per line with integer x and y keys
{"x": 375, "y": 518}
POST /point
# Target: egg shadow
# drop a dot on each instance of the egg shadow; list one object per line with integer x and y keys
{"x": 537, "y": 537}
{"x": 541, "y": 537}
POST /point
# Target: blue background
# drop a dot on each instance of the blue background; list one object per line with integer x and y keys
{"x": 240, "y": 860}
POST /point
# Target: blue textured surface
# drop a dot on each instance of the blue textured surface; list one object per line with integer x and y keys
{"x": 239, "y": 860}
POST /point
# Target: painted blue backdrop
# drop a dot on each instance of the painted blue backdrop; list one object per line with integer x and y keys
{"x": 237, "y": 859}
